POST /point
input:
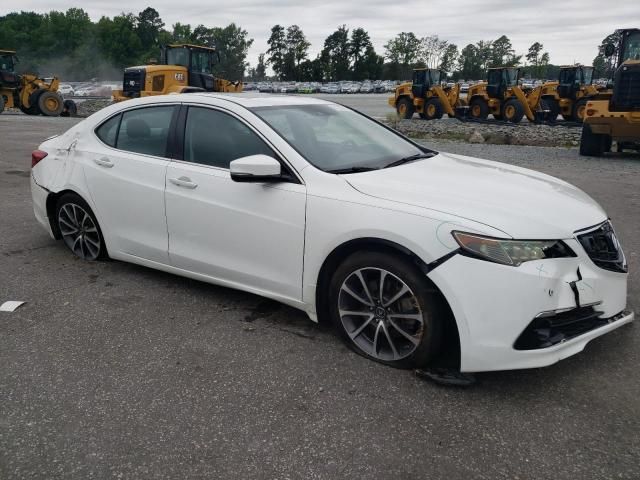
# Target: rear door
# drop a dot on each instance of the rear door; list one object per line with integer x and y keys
{"x": 249, "y": 235}
{"x": 125, "y": 172}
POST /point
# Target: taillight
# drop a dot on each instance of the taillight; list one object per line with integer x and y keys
{"x": 36, "y": 156}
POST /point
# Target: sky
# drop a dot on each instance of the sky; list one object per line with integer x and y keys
{"x": 570, "y": 30}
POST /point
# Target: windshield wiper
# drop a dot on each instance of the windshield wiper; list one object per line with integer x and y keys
{"x": 352, "y": 170}
{"x": 410, "y": 158}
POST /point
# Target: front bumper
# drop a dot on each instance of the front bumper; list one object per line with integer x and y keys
{"x": 494, "y": 304}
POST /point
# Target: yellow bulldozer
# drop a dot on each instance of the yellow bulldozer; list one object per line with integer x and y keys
{"x": 426, "y": 96}
{"x": 614, "y": 115}
{"x": 568, "y": 95}
{"x": 502, "y": 97}
{"x": 183, "y": 68}
{"x": 32, "y": 95}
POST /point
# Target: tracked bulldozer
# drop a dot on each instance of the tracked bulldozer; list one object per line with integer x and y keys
{"x": 31, "y": 94}
{"x": 183, "y": 68}
{"x": 426, "y": 96}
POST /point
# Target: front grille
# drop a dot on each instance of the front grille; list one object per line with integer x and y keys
{"x": 133, "y": 82}
{"x": 626, "y": 90}
{"x": 552, "y": 329}
{"x": 603, "y": 248}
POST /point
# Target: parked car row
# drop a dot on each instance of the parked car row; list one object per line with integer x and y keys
{"x": 367, "y": 86}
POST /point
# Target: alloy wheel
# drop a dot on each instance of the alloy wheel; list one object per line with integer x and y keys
{"x": 380, "y": 314}
{"x": 79, "y": 231}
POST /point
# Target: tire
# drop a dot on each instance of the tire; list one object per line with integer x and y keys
{"x": 479, "y": 108}
{"x": 578, "y": 109}
{"x": 70, "y": 109}
{"x": 33, "y": 100}
{"x": 418, "y": 312}
{"x": 552, "y": 105}
{"x": 405, "y": 108}
{"x": 50, "y": 104}
{"x": 432, "y": 109}
{"x": 592, "y": 144}
{"x": 79, "y": 228}
{"x": 512, "y": 111}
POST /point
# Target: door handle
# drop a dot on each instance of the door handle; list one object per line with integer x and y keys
{"x": 103, "y": 162}
{"x": 183, "y": 182}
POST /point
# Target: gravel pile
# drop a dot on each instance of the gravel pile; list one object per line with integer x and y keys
{"x": 501, "y": 134}
{"x": 89, "y": 107}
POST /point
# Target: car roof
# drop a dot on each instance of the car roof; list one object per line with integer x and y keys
{"x": 250, "y": 99}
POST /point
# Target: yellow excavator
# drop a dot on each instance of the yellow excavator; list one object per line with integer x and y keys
{"x": 426, "y": 96}
{"x": 502, "y": 97}
{"x": 614, "y": 115}
{"x": 183, "y": 68}
{"x": 32, "y": 95}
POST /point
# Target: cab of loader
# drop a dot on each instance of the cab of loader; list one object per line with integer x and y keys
{"x": 8, "y": 76}
{"x": 626, "y": 80}
{"x": 424, "y": 79}
{"x": 199, "y": 62}
{"x": 500, "y": 79}
{"x": 571, "y": 79}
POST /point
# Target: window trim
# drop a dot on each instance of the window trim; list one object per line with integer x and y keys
{"x": 168, "y": 149}
{"x": 292, "y": 177}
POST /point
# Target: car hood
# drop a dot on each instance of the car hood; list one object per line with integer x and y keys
{"x": 522, "y": 203}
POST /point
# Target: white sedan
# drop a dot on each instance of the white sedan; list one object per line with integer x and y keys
{"x": 415, "y": 256}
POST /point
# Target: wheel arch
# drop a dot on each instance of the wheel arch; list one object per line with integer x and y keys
{"x": 52, "y": 200}
{"x": 450, "y": 351}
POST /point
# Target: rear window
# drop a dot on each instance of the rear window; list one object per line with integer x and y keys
{"x": 145, "y": 130}
{"x": 108, "y": 131}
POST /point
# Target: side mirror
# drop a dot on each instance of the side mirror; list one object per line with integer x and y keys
{"x": 256, "y": 168}
{"x": 609, "y": 50}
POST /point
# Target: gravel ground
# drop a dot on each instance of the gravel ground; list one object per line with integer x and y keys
{"x": 117, "y": 371}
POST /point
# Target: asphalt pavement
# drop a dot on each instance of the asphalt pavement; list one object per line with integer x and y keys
{"x": 112, "y": 370}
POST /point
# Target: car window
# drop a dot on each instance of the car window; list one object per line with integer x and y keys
{"x": 145, "y": 130}
{"x": 215, "y": 138}
{"x": 108, "y": 131}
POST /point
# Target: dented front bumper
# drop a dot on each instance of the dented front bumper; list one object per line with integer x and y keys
{"x": 494, "y": 305}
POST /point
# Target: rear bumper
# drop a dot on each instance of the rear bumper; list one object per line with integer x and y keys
{"x": 494, "y": 304}
{"x": 39, "y": 199}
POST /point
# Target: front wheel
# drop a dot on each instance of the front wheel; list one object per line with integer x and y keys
{"x": 512, "y": 111}
{"x": 479, "y": 108}
{"x": 405, "y": 108}
{"x": 385, "y": 310}
{"x": 433, "y": 109}
{"x": 79, "y": 228}
{"x": 593, "y": 144}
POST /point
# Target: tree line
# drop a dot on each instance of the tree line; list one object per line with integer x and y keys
{"x": 73, "y": 47}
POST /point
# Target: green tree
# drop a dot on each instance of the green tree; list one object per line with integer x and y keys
{"x": 470, "y": 63}
{"x": 403, "y": 51}
{"x": 297, "y": 47}
{"x": 277, "y": 50}
{"x": 261, "y": 69}
{"x": 538, "y": 60}
{"x": 605, "y": 67}
{"x": 502, "y": 53}
{"x": 335, "y": 55}
{"x": 148, "y": 27}
{"x": 449, "y": 58}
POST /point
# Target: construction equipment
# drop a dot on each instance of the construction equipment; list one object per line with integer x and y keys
{"x": 502, "y": 97}
{"x": 569, "y": 94}
{"x": 183, "y": 68}
{"x": 615, "y": 115}
{"x": 27, "y": 92}
{"x": 426, "y": 96}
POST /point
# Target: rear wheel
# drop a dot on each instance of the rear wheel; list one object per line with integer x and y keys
{"x": 385, "y": 310}
{"x": 405, "y": 108}
{"x": 578, "y": 110}
{"x": 593, "y": 144}
{"x": 50, "y": 104}
{"x": 479, "y": 108}
{"x": 79, "y": 228}
{"x": 70, "y": 109}
{"x": 432, "y": 109}
{"x": 512, "y": 111}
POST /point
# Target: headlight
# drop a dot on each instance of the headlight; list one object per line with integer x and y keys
{"x": 511, "y": 252}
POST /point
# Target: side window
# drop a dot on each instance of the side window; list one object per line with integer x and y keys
{"x": 108, "y": 131}
{"x": 215, "y": 138}
{"x": 145, "y": 130}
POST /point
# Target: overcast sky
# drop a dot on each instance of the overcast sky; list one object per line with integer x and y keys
{"x": 569, "y": 29}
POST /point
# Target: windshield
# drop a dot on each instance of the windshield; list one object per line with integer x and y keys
{"x": 587, "y": 75}
{"x": 200, "y": 62}
{"x": 178, "y": 56}
{"x": 632, "y": 47}
{"x": 333, "y": 137}
{"x": 6, "y": 62}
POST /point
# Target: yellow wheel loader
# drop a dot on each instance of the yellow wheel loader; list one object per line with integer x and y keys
{"x": 32, "y": 95}
{"x": 615, "y": 115}
{"x": 568, "y": 95}
{"x": 502, "y": 97}
{"x": 426, "y": 96}
{"x": 183, "y": 68}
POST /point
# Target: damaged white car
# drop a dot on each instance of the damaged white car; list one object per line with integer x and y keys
{"x": 414, "y": 255}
